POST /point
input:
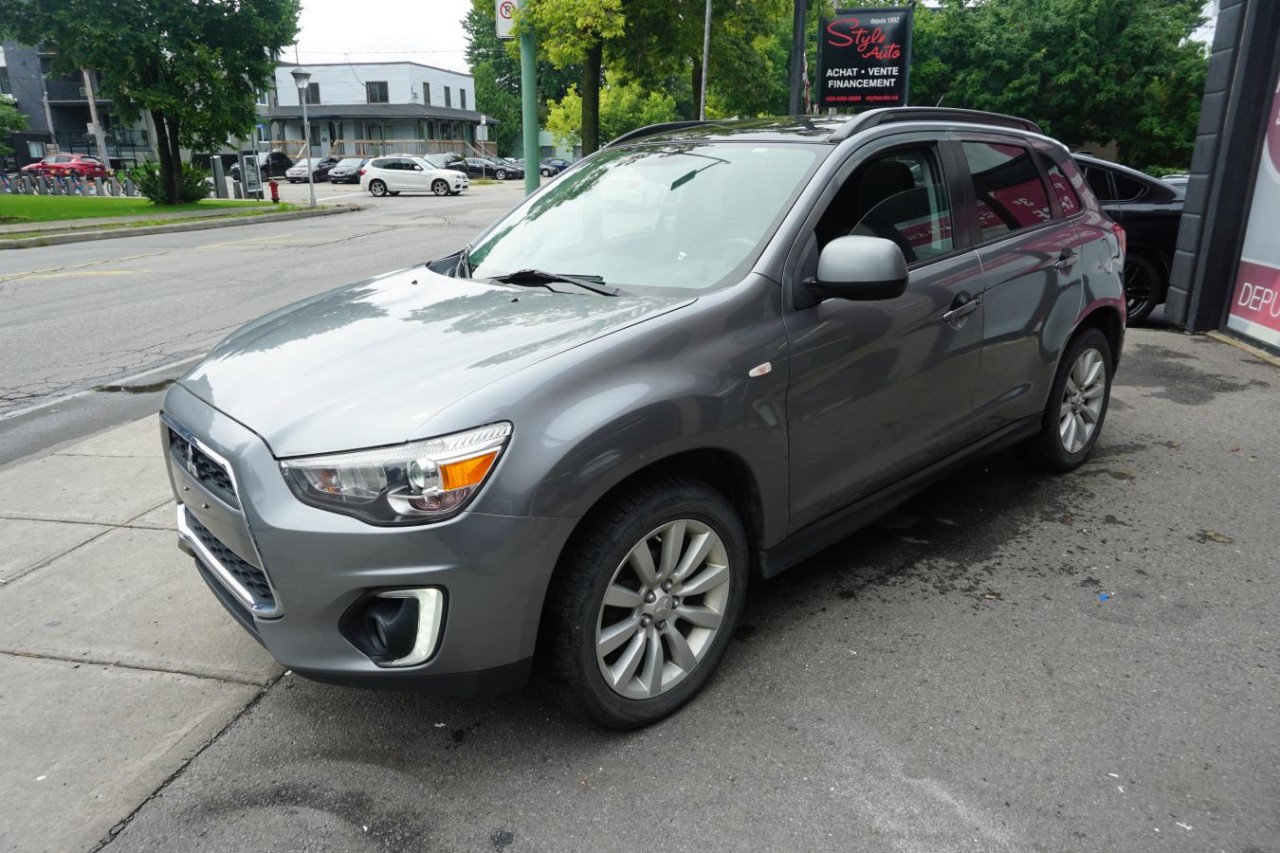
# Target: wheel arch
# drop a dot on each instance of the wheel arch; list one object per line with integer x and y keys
{"x": 1110, "y": 322}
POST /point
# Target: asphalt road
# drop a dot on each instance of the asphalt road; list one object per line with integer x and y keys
{"x": 89, "y": 330}
{"x": 1011, "y": 662}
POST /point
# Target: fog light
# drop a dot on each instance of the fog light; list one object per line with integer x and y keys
{"x": 412, "y": 632}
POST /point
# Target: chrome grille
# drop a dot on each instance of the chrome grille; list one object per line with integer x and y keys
{"x": 250, "y": 577}
{"x": 208, "y": 472}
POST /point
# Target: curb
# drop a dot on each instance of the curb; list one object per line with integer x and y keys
{"x": 1256, "y": 352}
{"x": 204, "y": 224}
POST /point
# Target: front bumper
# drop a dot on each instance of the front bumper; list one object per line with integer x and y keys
{"x": 291, "y": 574}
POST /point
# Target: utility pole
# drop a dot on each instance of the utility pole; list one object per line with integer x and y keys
{"x": 706, "y": 51}
{"x": 99, "y": 142}
{"x": 797, "y": 55}
{"x": 529, "y": 106}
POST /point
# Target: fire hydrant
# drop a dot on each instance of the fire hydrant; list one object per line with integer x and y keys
{"x": 275, "y": 191}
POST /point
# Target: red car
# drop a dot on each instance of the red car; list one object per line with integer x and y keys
{"x": 64, "y": 165}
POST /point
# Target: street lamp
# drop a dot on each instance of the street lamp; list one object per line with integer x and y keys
{"x": 303, "y": 79}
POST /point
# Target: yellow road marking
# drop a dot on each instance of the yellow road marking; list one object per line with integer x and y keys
{"x": 47, "y": 270}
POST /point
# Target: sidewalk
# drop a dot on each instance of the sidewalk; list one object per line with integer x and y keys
{"x": 116, "y": 664}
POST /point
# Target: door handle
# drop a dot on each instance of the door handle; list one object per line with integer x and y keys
{"x": 1066, "y": 259}
{"x": 962, "y": 309}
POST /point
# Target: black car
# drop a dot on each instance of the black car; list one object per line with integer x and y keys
{"x": 1150, "y": 211}
{"x": 272, "y": 164}
{"x": 483, "y": 167}
{"x": 553, "y": 166}
{"x": 347, "y": 170}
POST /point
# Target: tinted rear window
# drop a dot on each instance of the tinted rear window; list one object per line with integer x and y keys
{"x": 1010, "y": 192}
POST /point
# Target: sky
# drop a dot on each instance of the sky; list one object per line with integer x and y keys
{"x": 426, "y": 31}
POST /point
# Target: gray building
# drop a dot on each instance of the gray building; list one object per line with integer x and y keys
{"x": 57, "y": 111}
{"x": 1226, "y": 273}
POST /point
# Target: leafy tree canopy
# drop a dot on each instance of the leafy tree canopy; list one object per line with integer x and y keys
{"x": 10, "y": 120}
{"x": 193, "y": 65}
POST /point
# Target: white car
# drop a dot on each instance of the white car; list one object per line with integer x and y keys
{"x": 396, "y": 174}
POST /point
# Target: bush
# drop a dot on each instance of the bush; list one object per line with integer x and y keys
{"x": 194, "y": 187}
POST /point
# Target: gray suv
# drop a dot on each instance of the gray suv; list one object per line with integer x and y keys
{"x": 700, "y": 355}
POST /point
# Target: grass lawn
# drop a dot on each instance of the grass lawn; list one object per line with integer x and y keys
{"x": 23, "y": 209}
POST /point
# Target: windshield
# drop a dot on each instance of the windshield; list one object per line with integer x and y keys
{"x": 679, "y": 216}
{"x": 349, "y": 162}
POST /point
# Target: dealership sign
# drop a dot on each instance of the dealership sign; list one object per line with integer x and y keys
{"x": 1255, "y": 303}
{"x": 865, "y": 57}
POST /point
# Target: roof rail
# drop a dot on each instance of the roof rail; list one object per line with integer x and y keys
{"x": 650, "y": 130}
{"x": 889, "y": 115}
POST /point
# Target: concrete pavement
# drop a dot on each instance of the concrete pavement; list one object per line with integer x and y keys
{"x": 1009, "y": 663}
{"x": 116, "y": 665}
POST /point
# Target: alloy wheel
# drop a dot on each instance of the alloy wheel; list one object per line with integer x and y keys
{"x": 1083, "y": 398}
{"x": 662, "y": 609}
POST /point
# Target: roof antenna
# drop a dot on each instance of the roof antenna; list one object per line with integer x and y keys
{"x": 940, "y": 100}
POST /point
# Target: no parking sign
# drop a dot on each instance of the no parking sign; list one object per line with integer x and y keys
{"x": 504, "y": 12}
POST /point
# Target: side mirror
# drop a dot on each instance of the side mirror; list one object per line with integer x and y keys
{"x": 862, "y": 268}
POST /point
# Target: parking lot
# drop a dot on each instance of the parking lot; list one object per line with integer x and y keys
{"x": 1009, "y": 662}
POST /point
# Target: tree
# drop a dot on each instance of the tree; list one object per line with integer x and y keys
{"x": 1085, "y": 70}
{"x": 572, "y": 33}
{"x": 624, "y": 105}
{"x": 10, "y": 120}
{"x": 495, "y": 65}
{"x": 192, "y": 65}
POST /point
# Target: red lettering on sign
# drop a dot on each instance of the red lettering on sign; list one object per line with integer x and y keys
{"x": 870, "y": 44}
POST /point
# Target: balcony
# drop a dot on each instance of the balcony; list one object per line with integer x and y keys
{"x": 69, "y": 92}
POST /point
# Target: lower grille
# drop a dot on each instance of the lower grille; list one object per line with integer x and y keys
{"x": 250, "y": 577}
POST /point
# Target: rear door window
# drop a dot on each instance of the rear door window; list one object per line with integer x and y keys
{"x": 1010, "y": 192}
{"x": 1060, "y": 185}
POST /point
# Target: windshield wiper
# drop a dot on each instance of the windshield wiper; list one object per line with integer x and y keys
{"x": 542, "y": 278}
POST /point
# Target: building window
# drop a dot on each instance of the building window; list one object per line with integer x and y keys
{"x": 376, "y": 91}
{"x": 448, "y": 97}
{"x": 462, "y": 98}
{"x": 261, "y": 99}
{"x": 313, "y": 93}
{"x": 4, "y": 81}
{"x": 426, "y": 93}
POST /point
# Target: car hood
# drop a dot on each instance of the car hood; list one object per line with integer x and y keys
{"x": 371, "y": 363}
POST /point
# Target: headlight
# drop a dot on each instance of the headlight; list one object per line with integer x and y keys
{"x": 413, "y": 483}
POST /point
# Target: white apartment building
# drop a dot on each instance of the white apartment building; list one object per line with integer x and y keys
{"x": 365, "y": 108}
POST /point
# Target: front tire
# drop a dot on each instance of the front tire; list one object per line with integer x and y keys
{"x": 377, "y": 188}
{"x": 644, "y": 603}
{"x": 500, "y": 175}
{"x": 439, "y": 187}
{"x": 1077, "y": 406}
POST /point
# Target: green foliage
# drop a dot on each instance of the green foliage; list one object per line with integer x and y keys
{"x": 1086, "y": 70}
{"x": 624, "y": 106}
{"x": 151, "y": 184}
{"x": 496, "y": 69}
{"x": 10, "y": 120}
{"x": 194, "y": 65}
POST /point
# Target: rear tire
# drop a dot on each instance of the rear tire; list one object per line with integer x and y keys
{"x": 1077, "y": 406}
{"x": 377, "y": 188}
{"x": 1143, "y": 287}
{"x": 644, "y": 602}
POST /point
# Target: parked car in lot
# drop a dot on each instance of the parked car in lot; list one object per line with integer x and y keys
{"x": 704, "y": 354}
{"x": 1150, "y": 211}
{"x": 67, "y": 165}
{"x": 1177, "y": 179}
{"x": 447, "y": 160}
{"x": 271, "y": 164}
{"x": 393, "y": 175}
{"x": 483, "y": 167}
{"x": 347, "y": 170}
{"x": 297, "y": 173}
{"x": 553, "y": 166}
